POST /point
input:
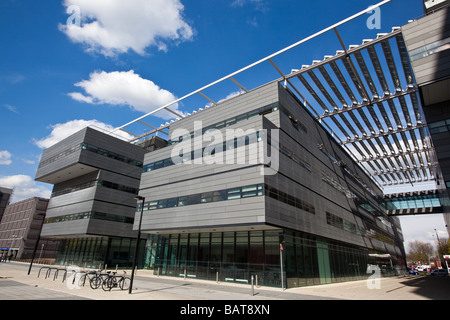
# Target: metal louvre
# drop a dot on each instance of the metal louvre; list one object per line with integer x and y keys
{"x": 391, "y": 144}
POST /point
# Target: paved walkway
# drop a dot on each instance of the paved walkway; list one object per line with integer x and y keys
{"x": 15, "y": 284}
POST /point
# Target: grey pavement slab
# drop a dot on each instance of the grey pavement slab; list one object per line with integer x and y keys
{"x": 14, "y": 290}
{"x": 16, "y": 284}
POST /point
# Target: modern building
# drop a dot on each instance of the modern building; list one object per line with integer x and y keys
{"x": 227, "y": 219}
{"x": 5, "y": 195}
{"x": 91, "y": 211}
{"x": 430, "y": 6}
{"x": 285, "y": 181}
{"x": 428, "y": 43}
{"x": 20, "y": 228}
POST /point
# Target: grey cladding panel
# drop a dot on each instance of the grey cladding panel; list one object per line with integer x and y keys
{"x": 230, "y": 108}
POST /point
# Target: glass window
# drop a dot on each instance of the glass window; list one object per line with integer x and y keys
{"x": 162, "y": 204}
{"x": 149, "y": 167}
{"x": 260, "y": 188}
{"x": 252, "y": 114}
{"x": 216, "y": 251}
{"x": 282, "y": 196}
{"x": 220, "y": 125}
{"x": 230, "y": 122}
{"x": 273, "y": 193}
{"x": 168, "y": 162}
{"x": 438, "y": 130}
{"x": 183, "y": 250}
{"x": 173, "y": 202}
{"x": 159, "y": 164}
{"x": 234, "y": 193}
{"x": 182, "y": 201}
{"x": 153, "y": 205}
{"x": 228, "y": 250}
{"x": 272, "y": 249}
{"x": 437, "y": 124}
{"x": 256, "y": 252}
{"x": 242, "y": 252}
{"x": 203, "y": 254}
{"x": 193, "y": 247}
{"x": 347, "y": 226}
{"x": 249, "y": 191}
{"x": 206, "y": 197}
{"x": 220, "y": 195}
{"x": 241, "y": 117}
{"x": 290, "y": 200}
{"x": 194, "y": 199}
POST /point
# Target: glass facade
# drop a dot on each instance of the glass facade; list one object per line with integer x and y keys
{"x": 236, "y": 256}
{"x": 99, "y": 252}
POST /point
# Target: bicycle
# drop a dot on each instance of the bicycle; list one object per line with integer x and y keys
{"x": 114, "y": 281}
{"x": 98, "y": 280}
{"x": 87, "y": 276}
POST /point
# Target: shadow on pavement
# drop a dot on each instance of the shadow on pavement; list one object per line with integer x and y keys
{"x": 434, "y": 288}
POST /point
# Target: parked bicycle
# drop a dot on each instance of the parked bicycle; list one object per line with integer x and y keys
{"x": 116, "y": 281}
{"x": 87, "y": 276}
{"x": 98, "y": 280}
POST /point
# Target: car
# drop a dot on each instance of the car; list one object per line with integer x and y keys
{"x": 423, "y": 268}
{"x": 412, "y": 271}
{"x": 439, "y": 272}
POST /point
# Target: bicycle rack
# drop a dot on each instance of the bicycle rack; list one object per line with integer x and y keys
{"x": 46, "y": 273}
{"x": 55, "y": 275}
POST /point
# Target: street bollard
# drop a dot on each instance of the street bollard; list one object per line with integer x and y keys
{"x": 253, "y": 288}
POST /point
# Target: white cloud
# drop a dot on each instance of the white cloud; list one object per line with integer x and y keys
{"x": 5, "y": 158}
{"x": 260, "y": 5}
{"x": 24, "y": 187}
{"x": 61, "y": 131}
{"x": 29, "y": 161}
{"x": 80, "y": 97}
{"x": 125, "y": 88}
{"x": 112, "y": 27}
{"x": 11, "y": 108}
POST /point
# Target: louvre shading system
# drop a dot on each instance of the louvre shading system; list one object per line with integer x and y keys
{"x": 365, "y": 96}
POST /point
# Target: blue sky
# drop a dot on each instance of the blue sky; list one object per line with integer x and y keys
{"x": 125, "y": 58}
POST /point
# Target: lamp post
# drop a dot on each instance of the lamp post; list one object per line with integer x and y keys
{"x": 37, "y": 242}
{"x": 137, "y": 243}
{"x": 438, "y": 247}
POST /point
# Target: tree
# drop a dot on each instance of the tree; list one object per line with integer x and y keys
{"x": 420, "y": 251}
{"x": 443, "y": 247}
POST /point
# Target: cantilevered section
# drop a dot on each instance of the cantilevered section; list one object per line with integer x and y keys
{"x": 365, "y": 96}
